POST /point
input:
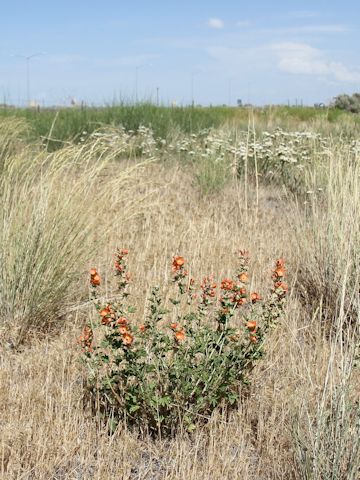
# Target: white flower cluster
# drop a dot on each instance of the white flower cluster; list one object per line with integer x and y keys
{"x": 277, "y": 155}
{"x": 139, "y": 143}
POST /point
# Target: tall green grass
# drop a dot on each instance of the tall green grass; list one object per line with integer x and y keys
{"x": 67, "y": 124}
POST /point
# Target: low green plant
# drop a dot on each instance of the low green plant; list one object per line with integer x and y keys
{"x": 172, "y": 371}
{"x": 211, "y": 174}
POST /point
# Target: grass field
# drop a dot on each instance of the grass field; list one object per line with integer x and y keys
{"x": 68, "y": 123}
{"x": 202, "y": 183}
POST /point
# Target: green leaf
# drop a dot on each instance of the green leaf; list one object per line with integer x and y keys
{"x": 134, "y": 408}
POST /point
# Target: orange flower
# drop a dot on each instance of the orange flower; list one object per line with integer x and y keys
{"x": 124, "y": 251}
{"x": 251, "y": 325}
{"x": 142, "y": 328}
{"x": 104, "y": 312}
{"x": 180, "y": 335}
{"x": 128, "y": 339}
{"x": 177, "y": 263}
{"x": 93, "y": 272}
{"x": 255, "y": 297}
{"x": 174, "y": 326}
{"x": 121, "y": 321}
{"x": 95, "y": 280}
{"x": 123, "y": 329}
{"x": 253, "y": 339}
{"x": 227, "y": 284}
{"x": 280, "y": 272}
{"x": 243, "y": 277}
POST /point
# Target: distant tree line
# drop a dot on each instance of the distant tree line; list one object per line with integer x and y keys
{"x": 350, "y": 103}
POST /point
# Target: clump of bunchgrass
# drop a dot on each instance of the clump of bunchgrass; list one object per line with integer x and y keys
{"x": 14, "y": 133}
{"x": 172, "y": 370}
{"x": 53, "y": 215}
{"x": 327, "y": 435}
{"x": 327, "y": 236}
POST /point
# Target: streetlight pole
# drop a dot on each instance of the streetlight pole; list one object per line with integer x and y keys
{"x": 28, "y": 58}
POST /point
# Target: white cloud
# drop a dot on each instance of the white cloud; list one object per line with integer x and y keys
{"x": 290, "y": 57}
{"x": 303, "y": 59}
{"x": 215, "y": 23}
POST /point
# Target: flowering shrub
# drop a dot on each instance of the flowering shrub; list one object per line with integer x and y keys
{"x": 173, "y": 369}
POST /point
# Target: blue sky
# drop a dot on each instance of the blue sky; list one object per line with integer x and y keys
{"x": 213, "y": 52}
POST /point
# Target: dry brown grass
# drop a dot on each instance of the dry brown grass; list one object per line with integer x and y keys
{"x": 48, "y": 433}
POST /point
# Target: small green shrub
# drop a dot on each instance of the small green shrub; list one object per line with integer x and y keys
{"x": 350, "y": 103}
{"x": 171, "y": 372}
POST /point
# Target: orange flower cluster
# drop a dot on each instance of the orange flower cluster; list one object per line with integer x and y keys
{"x": 244, "y": 277}
{"x": 120, "y": 254}
{"x": 94, "y": 277}
{"x": 279, "y": 271}
{"x": 128, "y": 339}
{"x": 86, "y": 338}
{"x": 233, "y": 295}
{"x": 278, "y": 274}
{"x": 107, "y": 315}
{"x": 180, "y": 335}
{"x": 121, "y": 321}
{"x": 227, "y": 284}
{"x": 179, "y": 332}
{"x": 251, "y": 326}
{"x": 124, "y": 330}
{"x": 255, "y": 297}
{"x": 243, "y": 266}
{"x": 179, "y": 275}
{"x": 120, "y": 270}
